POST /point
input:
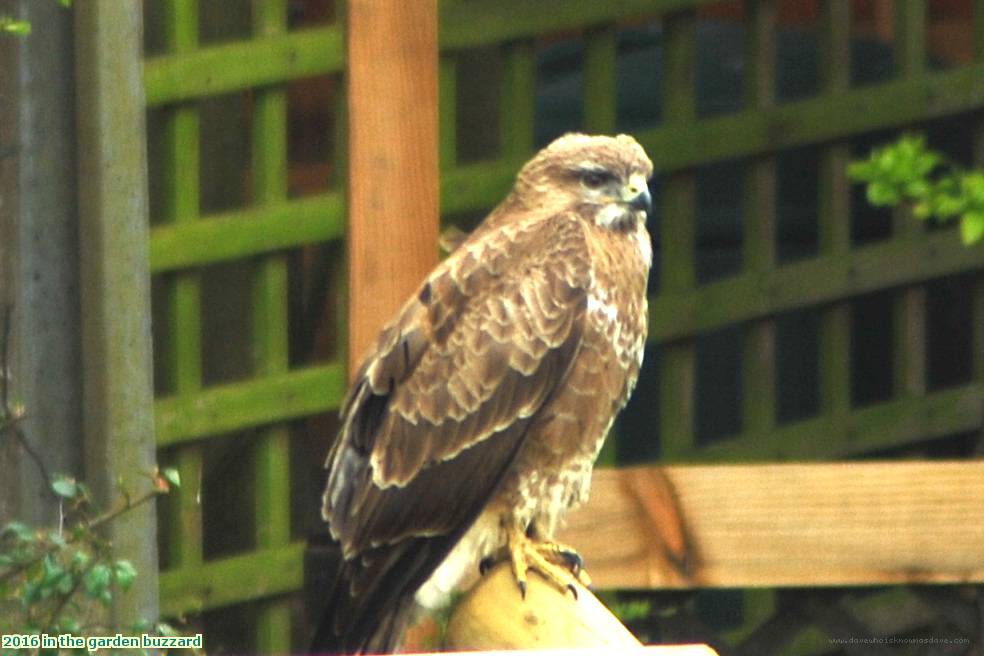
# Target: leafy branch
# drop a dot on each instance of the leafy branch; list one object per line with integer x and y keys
{"x": 60, "y": 577}
{"x": 907, "y": 172}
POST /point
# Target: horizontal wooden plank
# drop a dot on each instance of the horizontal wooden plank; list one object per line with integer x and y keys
{"x": 814, "y": 120}
{"x": 232, "y": 580}
{"x": 254, "y": 231}
{"x": 237, "y": 406}
{"x": 858, "y": 523}
{"x": 243, "y": 65}
{"x": 810, "y": 282}
{"x": 895, "y": 423}
{"x": 470, "y": 24}
{"x": 477, "y": 186}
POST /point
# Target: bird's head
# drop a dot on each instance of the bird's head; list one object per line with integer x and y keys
{"x": 604, "y": 178}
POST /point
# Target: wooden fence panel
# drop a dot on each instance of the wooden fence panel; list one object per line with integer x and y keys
{"x": 871, "y": 523}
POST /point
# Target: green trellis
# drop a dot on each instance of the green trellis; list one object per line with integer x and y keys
{"x": 190, "y": 413}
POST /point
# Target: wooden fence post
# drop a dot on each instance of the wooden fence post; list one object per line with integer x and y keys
{"x": 393, "y": 167}
{"x": 115, "y": 282}
{"x": 39, "y": 260}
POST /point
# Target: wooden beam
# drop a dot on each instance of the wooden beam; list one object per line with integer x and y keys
{"x": 118, "y": 421}
{"x": 785, "y": 525}
{"x": 393, "y": 162}
{"x": 494, "y": 616}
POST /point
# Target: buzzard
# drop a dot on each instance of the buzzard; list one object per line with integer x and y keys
{"x": 474, "y": 422}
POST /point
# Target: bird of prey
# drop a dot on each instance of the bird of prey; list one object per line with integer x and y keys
{"x": 474, "y": 422}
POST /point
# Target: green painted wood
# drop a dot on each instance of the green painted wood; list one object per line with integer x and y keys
{"x": 256, "y": 575}
{"x": 477, "y": 186}
{"x": 896, "y": 423}
{"x": 517, "y": 89}
{"x": 254, "y": 231}
{"x": 600, "y": 84}
{"x": 677, "y": 375}
{"x": 977, "y": 12}
{"x": 892, "y": 104}
{"x": 183, "y": 360}
{"x": 834, "y": 359}
{"x": 758, "y": 358}
{"x": 910, "y": 37}
{"x": 909, "y": 342}
{"x": 835, "y": 46}
{"x": 822, "y": 118}
{"x": 834, "y": 220}
{"x": 243, "y": 65}
{"x": 256, "y": 402}
{"x": 909, "y": 309}
{"x": 760, "y": 54}
{"x": 758, "y": 366}
{"x": 448, "y": 111}
{"x": 470, "y": 24}
{"x": 827, "y": 278}
{"x": 114, "y": 278}
{"x": 271, "y": 450}
{"x": 304, "y": 53}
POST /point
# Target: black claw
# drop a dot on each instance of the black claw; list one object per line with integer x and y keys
{"x": 573, "y": 589}
{"x": 522, "y": 588}
{"x": 485, "y": 564}
{"x": 573, "y": 560}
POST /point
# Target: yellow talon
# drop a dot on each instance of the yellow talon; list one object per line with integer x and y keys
{"x": 557, "y": 563}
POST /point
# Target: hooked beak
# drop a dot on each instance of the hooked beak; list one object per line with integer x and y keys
{"x": 636, "y": 194}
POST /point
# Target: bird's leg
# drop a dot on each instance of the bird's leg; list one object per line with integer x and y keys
{"x": 560, "y": 553}
{"x": 552, "y": 561}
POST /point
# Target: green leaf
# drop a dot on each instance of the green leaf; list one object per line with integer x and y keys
{"x": 881, "y": 193}
{"x": 861, "y": 171}
{"x": 172, "y": 476}
{"x": 97, "y": 580}
{"x": 70, "y": 625}
{"x": 65, "y": 486}
{"x": 21, "y": 530}
{"x": 972, "y": 227}
{"x": 18, "y": 27}
{"x": 165, "y": 629}
{"x": 918, "y": 188}
{"x": 30, "y": 594}
{"x": 52, "y": 570}
{"x": 125, "y": 573}
{"x": 80, "y": 560}
{"x": 65, "y": 584}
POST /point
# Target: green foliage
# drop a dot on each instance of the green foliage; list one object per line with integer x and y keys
{"x": 13, "y": 26}
{"x": 632, "y": 610}
{"x": 61, "y": 580}
{"x": 908, "y": 172}
{"x": 9, "y": 25}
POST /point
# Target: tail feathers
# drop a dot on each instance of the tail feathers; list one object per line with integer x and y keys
{"x": 368, "y": 601}
{"x": 383, "y": 638}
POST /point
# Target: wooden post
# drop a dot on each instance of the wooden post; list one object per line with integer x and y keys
{"x": 39, "y": 253}
{"x": 118, "y": 422}
{"x": 393, "y": 164}
{"x": 494, "y": 616}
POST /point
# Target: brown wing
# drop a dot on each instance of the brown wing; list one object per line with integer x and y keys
{"x": 440, "y": 409}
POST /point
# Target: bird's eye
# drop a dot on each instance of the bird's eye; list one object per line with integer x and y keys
{"x": 593, "y": 179}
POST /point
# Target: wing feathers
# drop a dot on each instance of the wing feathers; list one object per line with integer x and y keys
{"x": 441, "y": 408}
